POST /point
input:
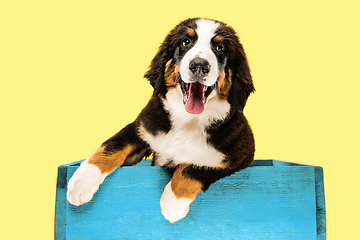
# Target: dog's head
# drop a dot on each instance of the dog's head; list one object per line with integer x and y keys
{"x": 203, "y": 58}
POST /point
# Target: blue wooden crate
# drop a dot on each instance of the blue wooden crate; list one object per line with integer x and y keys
{"x": 270, "y": 200}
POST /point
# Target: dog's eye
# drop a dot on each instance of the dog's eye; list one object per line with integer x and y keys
{"x": 186, "y": 42}
{"x": 220, "y": 48}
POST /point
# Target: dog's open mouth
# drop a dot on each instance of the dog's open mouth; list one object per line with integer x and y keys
{"x": 194, "y": 96}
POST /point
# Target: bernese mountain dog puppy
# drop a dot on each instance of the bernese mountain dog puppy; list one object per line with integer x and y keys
{"x": 194, "y": 122}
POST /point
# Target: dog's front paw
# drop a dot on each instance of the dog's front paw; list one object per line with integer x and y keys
{"x": 172, "y": 208}
{"x": 84, "y": 183}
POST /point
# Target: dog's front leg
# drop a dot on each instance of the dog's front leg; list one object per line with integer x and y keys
{"x": 125, "y": 148}
{"x": 178, "y": 194}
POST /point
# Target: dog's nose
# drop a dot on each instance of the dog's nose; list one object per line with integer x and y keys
{"x": 199, "y": 66}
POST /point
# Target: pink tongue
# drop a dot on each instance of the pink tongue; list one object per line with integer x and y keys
{"x": 195, "y": 98}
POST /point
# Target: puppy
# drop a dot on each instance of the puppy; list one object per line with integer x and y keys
{"x": 194, "y": 122}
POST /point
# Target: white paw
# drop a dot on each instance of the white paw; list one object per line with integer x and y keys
{"x": 84, "y": 183}
{"x": 172, "y": 208}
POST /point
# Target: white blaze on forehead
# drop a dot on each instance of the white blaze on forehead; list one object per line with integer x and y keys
{"x": 205, "y": 31}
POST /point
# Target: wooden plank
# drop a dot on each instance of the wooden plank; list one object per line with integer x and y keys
{"x": 272, "y": 200}
{"x": 320, "y": 203}
{"x": 60, "y": 216}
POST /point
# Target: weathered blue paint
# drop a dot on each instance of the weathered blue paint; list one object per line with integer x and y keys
{"x": 271, "y": 200}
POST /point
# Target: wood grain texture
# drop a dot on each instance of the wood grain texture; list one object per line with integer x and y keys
{"x": 271, "y": 200}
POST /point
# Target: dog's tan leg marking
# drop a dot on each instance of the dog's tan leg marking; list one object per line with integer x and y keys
{"x": 109, "y": 162}
{"x": 184, "y": 187}
{"x": 178, "y": 194}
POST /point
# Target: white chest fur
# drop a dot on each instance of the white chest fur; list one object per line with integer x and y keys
{"x": 186, "y": 141}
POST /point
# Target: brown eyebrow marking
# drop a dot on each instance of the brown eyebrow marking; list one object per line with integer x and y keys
{"x": 218, "y": 38}
{"x": 191, "y": 32}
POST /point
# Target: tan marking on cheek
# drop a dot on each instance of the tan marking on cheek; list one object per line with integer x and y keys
{"x": 191, "y": 32}
{"x": 168, "y": 64}
{"x": 177, "y": 69}
{"x": 184, "y": 187}
{"x": 218, "y": 38}
{"x": 170, "y": 75}
{"x": 107, "y": 163}
{"x": 142, "y": 131}
{"x": 224, "y": 84}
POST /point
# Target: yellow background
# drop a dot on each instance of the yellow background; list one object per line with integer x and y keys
{"x": 72, "y": 75}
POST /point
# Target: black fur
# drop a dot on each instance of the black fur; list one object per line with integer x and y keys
{"x": 234, "y": 138}
{"x": 242, "y": 84}
{"x": 154, "y": 117}
{"x": 155, "y": 75}
{"x": 127, "y": 136}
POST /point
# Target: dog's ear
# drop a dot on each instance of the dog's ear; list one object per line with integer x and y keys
{"x": 156, "y": 71}
{"x": 157, "y": 68}
{"x": 242, "y": 84}
{"x": 166, "y": 52}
